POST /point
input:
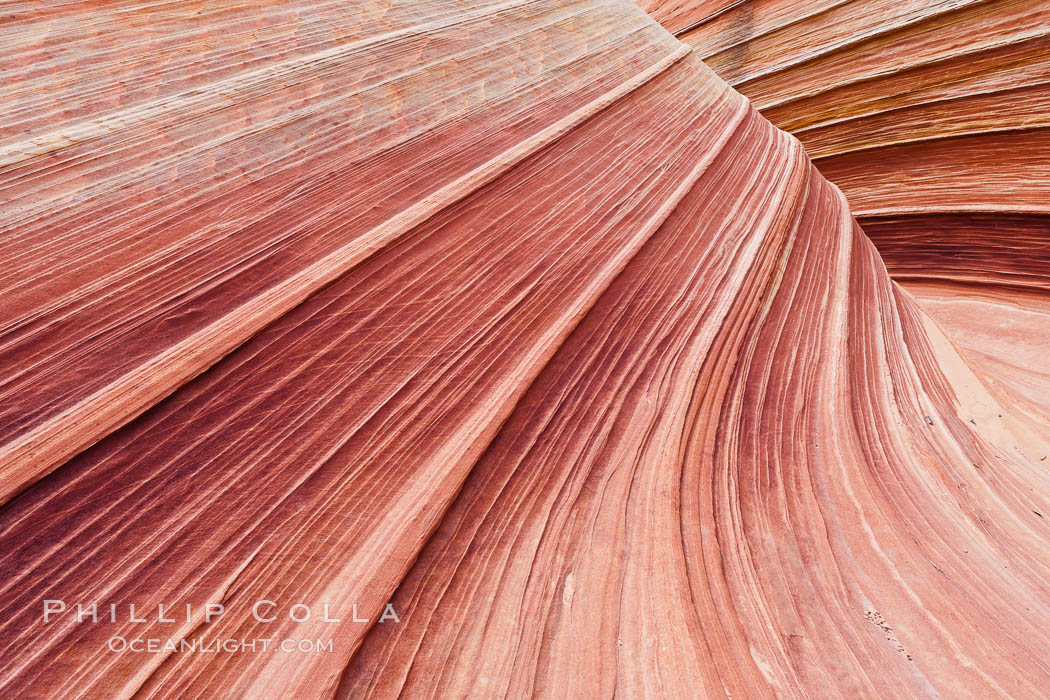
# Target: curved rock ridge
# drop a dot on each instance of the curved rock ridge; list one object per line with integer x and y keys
{"x": 933, "y": 117}
{"x": 512, "y": 318}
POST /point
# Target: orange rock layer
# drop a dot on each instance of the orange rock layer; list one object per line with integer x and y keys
{"x": 512, "y": 316}
{"x": 933, "y": 117}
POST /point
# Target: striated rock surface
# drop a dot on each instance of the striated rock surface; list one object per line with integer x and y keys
{"x": 933, "y": 117}
{"x": 512, "y": 317}
{"x": 175, "y": 179}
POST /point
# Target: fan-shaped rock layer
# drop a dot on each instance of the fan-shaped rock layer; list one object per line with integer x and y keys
{"x": 544, "y": 336}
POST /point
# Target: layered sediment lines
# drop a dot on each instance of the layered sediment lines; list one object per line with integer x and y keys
{"x": 171, "y": 196}
{"x": 934, "y": 120}
{"x": 932, "y": 117}
{"x": 513, "y": 316}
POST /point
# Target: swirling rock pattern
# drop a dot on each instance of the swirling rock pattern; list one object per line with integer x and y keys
{"x": 512, "y": 315}
{"x": 931, "y": 116}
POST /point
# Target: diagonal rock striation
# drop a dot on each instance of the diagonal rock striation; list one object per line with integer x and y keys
{"x": 512, "y": 318}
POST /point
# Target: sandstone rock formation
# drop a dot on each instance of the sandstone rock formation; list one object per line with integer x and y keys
{"x": 916, "y": 109}
{"x": 511, "y": 317}
{"x": 934, "y": 119}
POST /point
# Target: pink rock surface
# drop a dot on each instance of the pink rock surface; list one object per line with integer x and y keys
{"x": 512, "y": 316}
{"x": 931, "y": 116}
{"x": 174, "y": 194}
